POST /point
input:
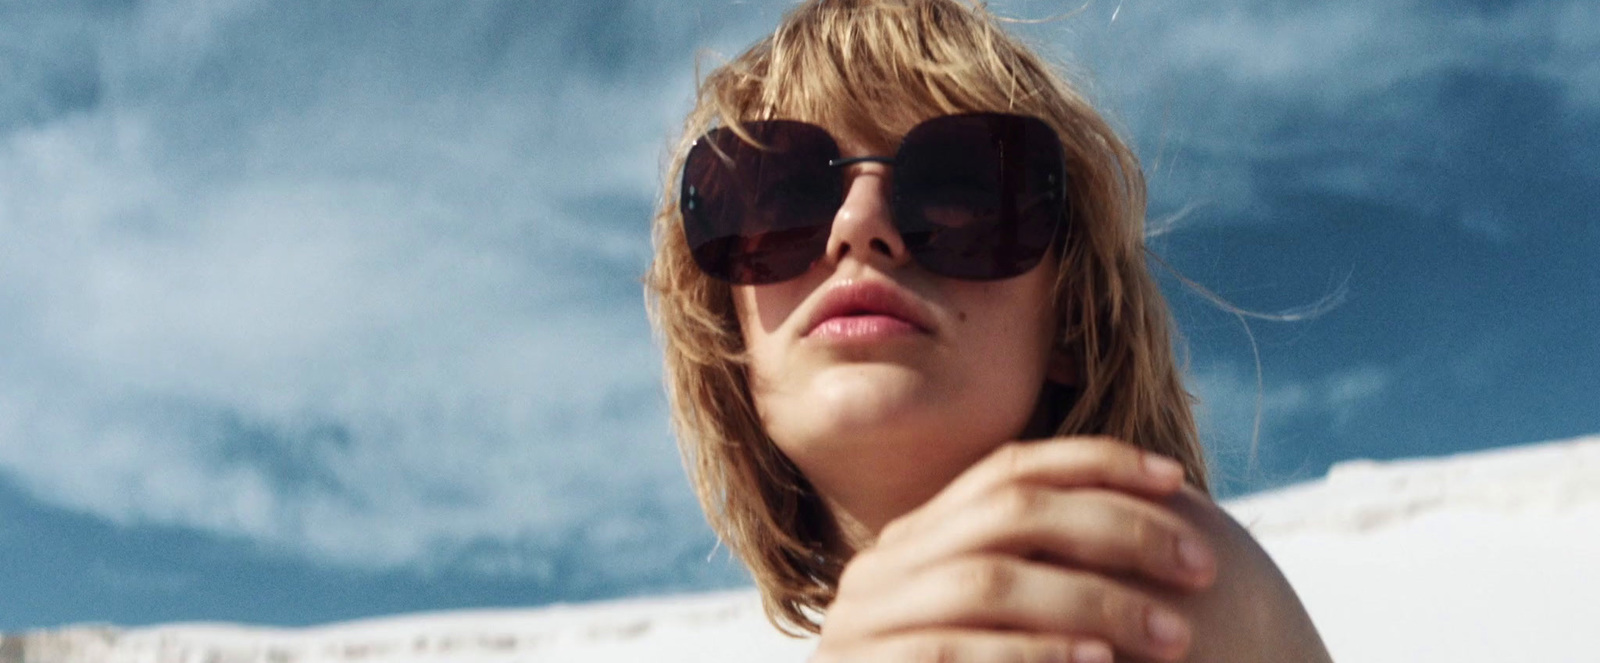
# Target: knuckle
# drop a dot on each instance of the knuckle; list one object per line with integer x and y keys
{"x": 1094, "y": 599}
{"x": 1099, "y": 533}
{"x": 1123, "y": 613}
{"x": 983, "y": 582}
{"x": 1105, "y": 609}
{"x": 1012, "y": 459}
{"x": 1156, "y": 544}
{"x": 1053, "y": 652}
{"x": 1118, "y": 454}
{"x": 893, "y": 531}
{"x": 1148, "y": 537}
{"x": 930, "y": 650}
{"x": 1016, "y": 503}
{"x": 1097, "y": 458}
{"x": 1117, "y": 618}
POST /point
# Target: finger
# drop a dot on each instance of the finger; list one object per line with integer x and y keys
{"x": 1061, "y": 463}
{"x": 971, "y": 646}
{"x": 1090, "y": 529}
{"x": 1077, "y": 462}
{"x": 1002, "y": 592}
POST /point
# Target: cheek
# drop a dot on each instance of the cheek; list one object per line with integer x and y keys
{"x": 762, "y": 312}
{"x": 775, "y": 377}
{"x": 1005, "y": 343}
{"x": 763, "y": 309}
{"x": 1015, "y": 323}
{"x": 1003, "y": 352}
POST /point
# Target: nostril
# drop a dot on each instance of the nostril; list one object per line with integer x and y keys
{"x": 881, "y": 246}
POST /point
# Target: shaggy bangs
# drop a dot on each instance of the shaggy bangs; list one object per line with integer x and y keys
{"x": 870, "y": 71}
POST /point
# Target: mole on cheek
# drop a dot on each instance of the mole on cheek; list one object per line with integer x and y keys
{"x": 961, "y": 316}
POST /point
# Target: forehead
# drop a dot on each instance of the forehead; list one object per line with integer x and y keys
{"x": 854, "y": 144}
{"x": 861, "y": 132}
{"x": 875, "y": 120}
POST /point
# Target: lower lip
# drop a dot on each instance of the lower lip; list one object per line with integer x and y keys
{"x": 863, "y": 328}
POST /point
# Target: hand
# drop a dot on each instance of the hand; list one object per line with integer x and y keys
{"x": 1018, "y": 559}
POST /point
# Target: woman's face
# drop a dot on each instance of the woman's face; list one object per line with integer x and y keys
{"x": 881, "y": 381}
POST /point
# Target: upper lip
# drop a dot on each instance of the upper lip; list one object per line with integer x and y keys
{"x": 868, "y": 298}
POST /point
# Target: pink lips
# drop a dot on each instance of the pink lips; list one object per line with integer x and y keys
{"x": 862, "y": 327}
{"x": 866, "y": 310}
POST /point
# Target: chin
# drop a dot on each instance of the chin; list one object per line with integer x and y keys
{"x": 889, "y": 433}
{"x": 872, "y": 400}
{"x": 892, "y": 428}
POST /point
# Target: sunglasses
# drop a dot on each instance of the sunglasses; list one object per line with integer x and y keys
{"x": 976, "y": 196}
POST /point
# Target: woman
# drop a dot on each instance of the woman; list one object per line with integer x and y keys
{"x": 920, "y": 374}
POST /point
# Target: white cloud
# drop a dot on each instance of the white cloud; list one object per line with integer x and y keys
{"x": 1237, "y": 104}
{"x": 383, "y": 324}
{"x": 1333, "y": 53}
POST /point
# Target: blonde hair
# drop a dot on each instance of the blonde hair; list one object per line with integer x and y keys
{"x": 870, "y": 70}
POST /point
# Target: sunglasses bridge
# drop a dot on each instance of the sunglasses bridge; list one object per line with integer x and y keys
{"x": 841, "y": 163}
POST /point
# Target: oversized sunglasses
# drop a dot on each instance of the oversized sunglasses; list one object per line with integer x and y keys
{"x": 977, "y": 196}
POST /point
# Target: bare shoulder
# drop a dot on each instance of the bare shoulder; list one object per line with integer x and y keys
{"x": 1251, "y": 613}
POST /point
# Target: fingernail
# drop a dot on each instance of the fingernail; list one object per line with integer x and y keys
{"x": 1166, "y": 628}
{"x": 1091, "y": 652}
{"x": 1161, "y": 467}
{"x": 1193, "y": 555}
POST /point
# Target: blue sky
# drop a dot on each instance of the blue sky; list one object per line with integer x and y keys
{"x": 311, "y": 311}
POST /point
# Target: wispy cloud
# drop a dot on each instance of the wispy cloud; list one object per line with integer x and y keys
{"x": 360, "y": 288}
{"x": 1244, "y": 422}
{"x": 1452, "y": 111}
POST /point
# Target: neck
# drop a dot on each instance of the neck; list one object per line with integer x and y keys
{"x": 849, "y": 534}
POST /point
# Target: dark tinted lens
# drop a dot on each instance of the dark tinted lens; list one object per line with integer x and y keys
{"x": 979, "y": 196}
{"x": 760, "y": 213}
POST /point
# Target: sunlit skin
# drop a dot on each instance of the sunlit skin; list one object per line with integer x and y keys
{"x": 970, "y": 546}
{"x": 880, "y": 414}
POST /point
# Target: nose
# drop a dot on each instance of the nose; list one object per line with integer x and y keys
{"x": 863, "y": 228}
